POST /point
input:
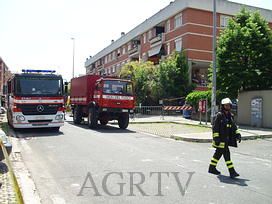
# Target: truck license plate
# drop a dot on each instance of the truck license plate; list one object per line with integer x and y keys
{"x": 39, "y": 118}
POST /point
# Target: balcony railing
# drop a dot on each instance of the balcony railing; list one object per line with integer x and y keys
{"x": 158, "y": 38}
{"x": 133, "y": 50}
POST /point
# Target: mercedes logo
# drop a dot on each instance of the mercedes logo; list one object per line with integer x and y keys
{"x": 40, "y": 108}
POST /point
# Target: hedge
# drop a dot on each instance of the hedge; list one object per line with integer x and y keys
{"x": 194, "y": 97}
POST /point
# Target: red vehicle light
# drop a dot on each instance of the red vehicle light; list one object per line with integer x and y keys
{"x": 15, "y": 109}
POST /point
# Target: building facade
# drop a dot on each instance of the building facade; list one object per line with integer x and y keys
{"x": 183, "y": 24}
{"x": 5, "y": 75}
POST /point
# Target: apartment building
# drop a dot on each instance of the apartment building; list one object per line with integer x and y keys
{"x": 183, "y": 24}
{"x": 5, "y": 75}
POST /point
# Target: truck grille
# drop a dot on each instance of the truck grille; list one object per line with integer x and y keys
{"x": 39, "y": 109}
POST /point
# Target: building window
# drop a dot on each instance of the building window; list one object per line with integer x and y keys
{"x": 224, "y": 20}
{"x": 150, "y": 34}
{"x": 106, "y": 59}
{"x": 129, "y": 46}
{"x": 144, "y": 36}
{"x": 168, "y": 26}
{"x": 113, "y": 69}
{"x": 178, "y": 44}
{"x": 124, "y": 50}
{"x": 178, "y": 20}
{"x": 114, "y": 55}
{"x": 99, "y": 63}
{"x": 168, "y": 49}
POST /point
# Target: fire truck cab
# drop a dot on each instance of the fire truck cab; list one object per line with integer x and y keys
{"x": 35, "y": 100}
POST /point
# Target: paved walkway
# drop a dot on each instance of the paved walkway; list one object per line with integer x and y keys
{"x": 7, "y": 194}
{"x": 204, "y": 136}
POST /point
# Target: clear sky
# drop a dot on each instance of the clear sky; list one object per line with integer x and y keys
{"x": 37, "y": 34}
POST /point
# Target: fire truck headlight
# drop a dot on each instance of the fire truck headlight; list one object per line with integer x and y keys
{"x": 59, "y": 117}
{"x": 20, "y": 118}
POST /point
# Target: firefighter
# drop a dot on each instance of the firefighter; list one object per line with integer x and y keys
{"x": 225, "y": 134}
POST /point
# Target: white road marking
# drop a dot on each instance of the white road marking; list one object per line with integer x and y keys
{"x": 195, "y": 160}
{"x": 147, "y": 160}
{"x": 263, "y": 160}
{"x": 268, "y": 165}
{"x": 75, "y": 185}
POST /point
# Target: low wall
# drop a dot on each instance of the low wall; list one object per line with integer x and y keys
{"x": 244, "y": 107}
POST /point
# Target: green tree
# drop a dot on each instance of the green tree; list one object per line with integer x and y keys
{"x": 142, "y": 76}
{"x": 244, "y": 55}
{"x": 172, "y": 77}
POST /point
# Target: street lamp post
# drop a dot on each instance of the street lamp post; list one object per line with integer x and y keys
{"x": 73, "y": 39}
{"x": 213, "y": 104}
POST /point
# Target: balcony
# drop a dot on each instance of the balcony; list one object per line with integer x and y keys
{"x": 134, "y": 50}
{"x": 99, "y": 67}
{"x": 158, "y": 39}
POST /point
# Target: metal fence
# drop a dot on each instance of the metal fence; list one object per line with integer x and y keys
{"x": 145, "y": 111}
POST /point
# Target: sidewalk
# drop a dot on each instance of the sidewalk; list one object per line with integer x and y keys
{"x": 248, "y": 133}
{"x": 7, "y": 193}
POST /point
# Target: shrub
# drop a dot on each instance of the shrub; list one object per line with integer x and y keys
{"x": 194, "y": 97}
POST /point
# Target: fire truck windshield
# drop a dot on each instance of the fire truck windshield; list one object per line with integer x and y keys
{"x": 38, "y": 86}
{"x": 117, "y": 87}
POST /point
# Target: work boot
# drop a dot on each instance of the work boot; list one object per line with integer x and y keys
{"x": 233, "y": 173}
{"x": 213, "y": 170}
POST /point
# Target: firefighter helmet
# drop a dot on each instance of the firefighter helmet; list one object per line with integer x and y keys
{"x": 226, "y": 101}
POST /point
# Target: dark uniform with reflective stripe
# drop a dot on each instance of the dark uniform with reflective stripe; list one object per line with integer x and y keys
{"x": 225, "y": 134}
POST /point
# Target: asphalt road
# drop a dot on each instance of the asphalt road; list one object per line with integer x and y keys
{"x": 60, "y": 163}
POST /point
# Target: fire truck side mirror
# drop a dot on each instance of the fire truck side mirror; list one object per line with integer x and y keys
{"x": 66, "y": 87}
{"x": 97, "y": 86}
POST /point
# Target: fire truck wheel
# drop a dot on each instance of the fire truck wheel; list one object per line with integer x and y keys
{"x": 103, "y": 122}
{"x": 77, "y": 116}
{"x": 55, "y": 129}
{"x": 123, "y": 120}
{"x": 92, "y": 118}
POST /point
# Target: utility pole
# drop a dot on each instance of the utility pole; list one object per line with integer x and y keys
{"x": 213, "y": 107}
{"x": 73, "y": 39}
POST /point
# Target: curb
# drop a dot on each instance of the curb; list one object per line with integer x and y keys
{"x": 131, "y": 122}
{"x": 17, "y": 190}
{"x": 202, "y": 140}
{"x": 196, "y": 140}
{"x": 205, "y": 140}
{"x": 255, "y": 137}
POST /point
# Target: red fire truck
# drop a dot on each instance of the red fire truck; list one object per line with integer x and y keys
{"x": 102, "y": 99}
{"x": 35, "y": 100}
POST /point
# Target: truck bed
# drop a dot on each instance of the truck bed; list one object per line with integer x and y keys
{"x": 82, "y": 89}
